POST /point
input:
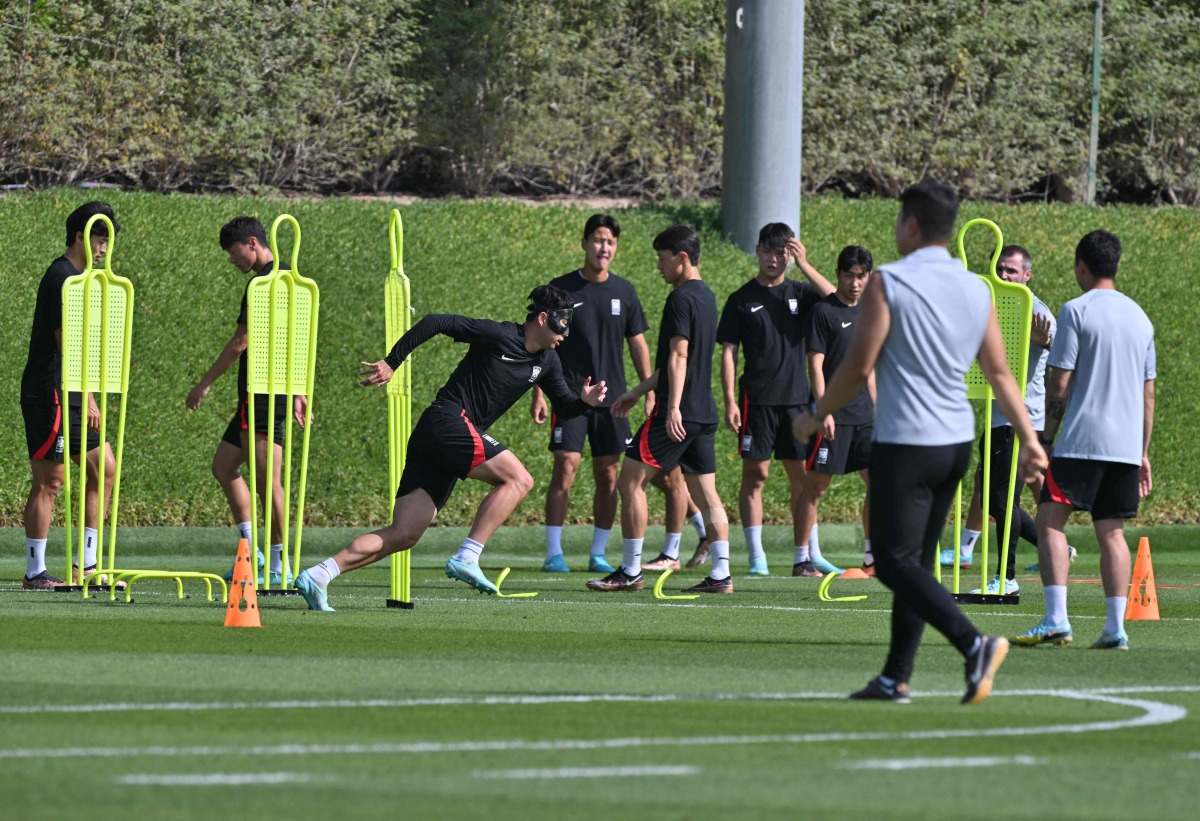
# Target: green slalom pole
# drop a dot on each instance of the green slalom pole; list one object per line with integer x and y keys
{"x": 397, "y": 300}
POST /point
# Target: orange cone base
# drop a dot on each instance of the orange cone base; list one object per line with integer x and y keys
{"x": 242, "y": 609}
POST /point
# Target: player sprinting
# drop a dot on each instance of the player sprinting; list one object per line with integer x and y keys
{"x": 42, "y": 408}
{"x": 1102, "y": 371}
{"x": 843, "y": 443}
{"x": 681, "y": 430}
{"x": 450, "y": 441}
{"x": 923, "y": 320}
{"x": 245, "y": 241}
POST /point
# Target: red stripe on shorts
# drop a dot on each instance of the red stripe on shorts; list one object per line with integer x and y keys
{"x": 478, "y": 457}
{"x": 644, "y": 443}
{"x": 812, "y": 457}
{"x": 1056, "y": 493}
{"x": 45, "y": 448}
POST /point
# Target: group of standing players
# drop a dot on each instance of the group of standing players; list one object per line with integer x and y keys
{"x": 865, "y": 375}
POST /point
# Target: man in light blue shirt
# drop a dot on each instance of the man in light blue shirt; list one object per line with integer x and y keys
{"x": 1102, "y": 370}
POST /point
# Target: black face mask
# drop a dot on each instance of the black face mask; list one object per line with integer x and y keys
{"x": 557, "y": 320}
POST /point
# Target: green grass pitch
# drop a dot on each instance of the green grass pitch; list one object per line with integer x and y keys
{"x": 577, "y": 704}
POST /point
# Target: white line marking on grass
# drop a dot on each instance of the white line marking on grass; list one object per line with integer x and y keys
{"x": 584, "y": 772}
{"x": 940, "y": 763}
{"x": 211, "y": 779}
{"x": 1153, "y": 713}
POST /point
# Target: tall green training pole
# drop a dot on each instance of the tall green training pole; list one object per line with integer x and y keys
{"x": 281, "y": 354}
{"x": 397, "y": 300}
{"x": 1014, "y": 310}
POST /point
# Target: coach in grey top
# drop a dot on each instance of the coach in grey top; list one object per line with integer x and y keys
{"x": 923, "y": 320}
{"x": 1103, "y": 360}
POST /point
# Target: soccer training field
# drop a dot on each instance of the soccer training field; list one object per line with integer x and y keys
{"x": 578, "y": 704}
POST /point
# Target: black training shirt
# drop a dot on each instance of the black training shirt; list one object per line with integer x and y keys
{"x": 690, "y": 312}
{"x": 831, "y": 332}
{"x": 606, "y": 314}
{"x": 242, "y": 320}
{"x": 769, "y": 325}
{"x": 495, "y": 373}
{"x": 43, "y": 368}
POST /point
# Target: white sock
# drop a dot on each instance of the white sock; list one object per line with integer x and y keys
{"x": 800, "y": 553}
{"x": 35, "y": 557}
{"x": 698, "y": 523}
{"x": 753, "y": 536}
{"x": 89, "y": 547}
{"x": 967, "y": 545}
{"x": 1115, "y": 622}
{"x": 553, "y": 541}
{"x": 244, "y": 530}
{"x": 600, "y": 541}
{"x": 671, "y": 545}
{"x": 277, "y": 558}
{"x": 631, "y": 562}
{"x": 469, "y": 552}
{"x": 868, "y": 556}
{"x": 720, "y": 560}
{"x": 814, "y": 544}
{"x": 1056, "y": 603}
{"x": 325, "y": 572}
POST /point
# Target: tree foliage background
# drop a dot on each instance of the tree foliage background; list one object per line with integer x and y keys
{"x": 583, "y": 96}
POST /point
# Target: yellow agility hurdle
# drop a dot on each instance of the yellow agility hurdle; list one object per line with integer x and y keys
{"x": 281, "y": 356}
{"x": 97, "y": 309}
{"x": 1014, "y": 310}
{"x": 397, "y": 301}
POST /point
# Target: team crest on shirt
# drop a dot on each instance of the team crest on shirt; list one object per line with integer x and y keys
{"x": 616, "y": 307}
{"x": 537, "y": 371}
{"x": 794, "y": 306}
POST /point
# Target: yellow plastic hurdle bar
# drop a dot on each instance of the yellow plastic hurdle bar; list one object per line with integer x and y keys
{"x": 397, "y": 301}
{"x": 281, "y": 354}
{"x": 1014, "y": 310}
{"x": 97, "y": 309}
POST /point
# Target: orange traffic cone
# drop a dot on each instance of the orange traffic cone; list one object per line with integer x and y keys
{"x": 242, "y": 609}
{"x": 1143, "y": 597}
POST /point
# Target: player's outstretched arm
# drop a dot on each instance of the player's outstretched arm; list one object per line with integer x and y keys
{"x": 229, "y": 354}
{"x": 627, "y": 400}
{"x": 1031, "y": 459}
{"x": 639, "y": 352}
{"x": 567, "y": 404}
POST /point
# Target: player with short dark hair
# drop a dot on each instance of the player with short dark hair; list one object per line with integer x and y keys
{"x": 42, "y": 408}
{"x": 766, "y": 320}
{"x": 244, "y": 239}
{"x": 450, "y": 441}
{"x": 681, "y": 430}
{"x": 924, "y": 318}
{"x": 843, "y": 444}
{"x": 1102, "y": 371}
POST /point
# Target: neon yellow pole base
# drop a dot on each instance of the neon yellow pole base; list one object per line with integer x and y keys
{"x": 658, "y": 589}
{"x": 823, "y": 590}
{"x": 500, "y": 580}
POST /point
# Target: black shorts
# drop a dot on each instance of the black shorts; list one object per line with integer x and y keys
{"x": 767, "y": 429}
{"x": 606, "y": 434}
{"x": 695, "y": 454}
{"x": 849, "y": 451}
{"x": 241, "y": 420}
{"x": 1108, "y": 489}
{"x": 442, "y": 449}
{"x": 43, "y": 427}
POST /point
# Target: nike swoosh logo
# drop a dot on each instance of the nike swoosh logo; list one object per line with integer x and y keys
{"x": 577, "y": 304}
{"x": 756, "y": 308}
{"x": 847, "y": 324}
{"x": 630, "y": 439}
{"x": 508, "y": 358}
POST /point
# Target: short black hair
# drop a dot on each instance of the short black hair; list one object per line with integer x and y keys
{"x": 601, "y": 221}
{"x": 774, "y": 235}
{"x": 679, "y": 239}
{"x": 240, "y": 229}
{"x": 935, "y": 207}
{"x": 547, "y": 298}
{"x": 1014, "y": 250}
{"x": 78, "y": 220}
{"x": 853, "y": 255}
{"x": 1100, "y": 251}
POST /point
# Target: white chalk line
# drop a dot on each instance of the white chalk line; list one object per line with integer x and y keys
{"x": 211, "y": 779}
{"x": 514, "y": 699}
{"x": 585, "y": 772}
{"x": 1153, "y": 713}
{"x": 897, "y": 764}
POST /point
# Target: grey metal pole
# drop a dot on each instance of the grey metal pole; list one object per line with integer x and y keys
{"x": 764, "y": 105}
{"x": 1094, "y": 139}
